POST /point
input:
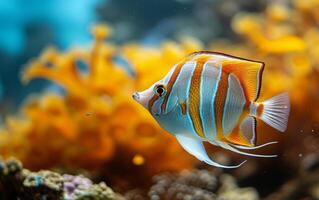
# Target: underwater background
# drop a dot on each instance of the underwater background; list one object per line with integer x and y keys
{"x": 70, "y": 129}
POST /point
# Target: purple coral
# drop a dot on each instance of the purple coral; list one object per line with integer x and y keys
{"x": 75, "y": 184}
{"x": 19, "y": 183}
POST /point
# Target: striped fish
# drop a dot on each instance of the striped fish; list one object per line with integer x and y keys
{"x": 212, "y": 97}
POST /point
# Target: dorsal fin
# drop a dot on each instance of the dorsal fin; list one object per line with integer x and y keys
{"x": 248, "y": 72}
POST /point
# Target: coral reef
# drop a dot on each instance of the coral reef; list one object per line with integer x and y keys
{"x": 74, "y": 185}
{"x": 199, "y": 184}
{"x": 91, "y": 122}
{"x": 82, "y": 188}
{"x": 96, "y": 119}
{"x": 215, "y": 184}
{"x": 42, "y": 184}
{"x": 195, "y": 184}
{"x": 19, "y": 183}
{"x": 285, "y": 37}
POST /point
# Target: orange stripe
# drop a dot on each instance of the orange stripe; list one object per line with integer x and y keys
{"x": 219, "y": 103}
{"x": 171, "y": 83}
{"x": 183, "y": 107}
{"x": 151, "y": 102}
{"x": 260, "y": 109}
{"x": 245, "y": 73}
{"x": 194, "y": 99}
{"x": 236, "y": 137}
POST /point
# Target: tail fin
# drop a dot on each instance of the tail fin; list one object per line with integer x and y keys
{"x": 275, "y": 111}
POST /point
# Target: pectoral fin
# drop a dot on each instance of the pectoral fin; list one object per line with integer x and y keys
{"x": 197, "y": 149}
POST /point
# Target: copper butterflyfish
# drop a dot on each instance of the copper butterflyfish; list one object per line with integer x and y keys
{"x": 212, "y": 97}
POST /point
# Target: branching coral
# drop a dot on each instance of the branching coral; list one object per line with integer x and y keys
{"x": 96, "y": 124}
{"x": 285, "y": 37}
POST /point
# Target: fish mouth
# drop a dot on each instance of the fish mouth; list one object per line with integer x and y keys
{"x": 141, "y": 99}
{"x": 144, "y": 100}
{"x": 136, "y": 96}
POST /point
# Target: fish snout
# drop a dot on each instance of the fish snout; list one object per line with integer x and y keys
{"x": 141, "y": 98}
{"x": 136, "y": 96}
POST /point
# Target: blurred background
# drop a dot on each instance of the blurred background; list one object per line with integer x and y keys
{"x": 29, "y": 27}
{"x": 67, "y": 72}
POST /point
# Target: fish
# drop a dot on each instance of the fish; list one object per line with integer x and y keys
{"x": 213, "y": 97}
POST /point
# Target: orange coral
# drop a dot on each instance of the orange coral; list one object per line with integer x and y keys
{"x": 285, "y": 38}
{"x": 96, "y": 123}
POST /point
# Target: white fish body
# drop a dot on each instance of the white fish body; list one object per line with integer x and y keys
{"x": 212, "y": 97}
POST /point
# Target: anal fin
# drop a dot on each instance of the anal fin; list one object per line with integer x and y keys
{"x": 245, "y": 133}
{"x": 196, "y": 148}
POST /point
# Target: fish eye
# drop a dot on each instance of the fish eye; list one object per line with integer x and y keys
{"x": 160, "y": 90}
